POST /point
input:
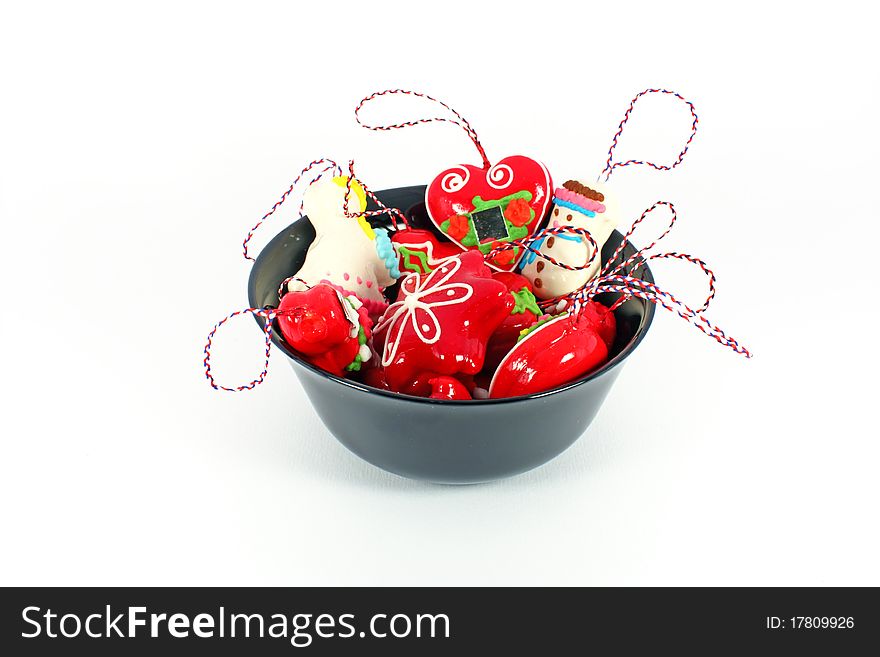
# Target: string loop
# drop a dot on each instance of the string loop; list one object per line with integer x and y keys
{"x": 610, "y": 166}
{"x": 460, "y": 121}
{"x": 269, "y": 316}
{"x": 329, "y": 165}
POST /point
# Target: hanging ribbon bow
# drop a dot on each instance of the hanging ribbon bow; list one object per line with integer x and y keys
{"x": 615, "y": 279}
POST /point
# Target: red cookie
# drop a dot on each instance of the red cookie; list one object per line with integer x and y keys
{"x": 326, "y": 328}
{"x": 441, "y": 322}
{"x": 419, "y": 250}
{"x": 556, "y": 352}
{"x": 480, "y": 208}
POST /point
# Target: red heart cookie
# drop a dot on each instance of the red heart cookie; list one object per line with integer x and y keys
{"x": 479, "y": 208}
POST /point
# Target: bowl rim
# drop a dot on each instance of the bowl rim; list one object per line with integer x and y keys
{"x": 611, "y": 364}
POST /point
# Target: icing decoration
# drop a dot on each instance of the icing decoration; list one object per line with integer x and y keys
{"x": 578, "y": 206}
{"x": 525, "y": 301}
{"x": 584, "y": 200}
{"x": 329, "y": 330}
{"x": 558, "y": 351}
{"x": 344, "y": 252}
{"x": 442, "y": 321}
{"x": 479, "y": 207}
{"x": 419, "y": 250}
{"x": 385, "y": 251}
{"x": 524, "y": 314}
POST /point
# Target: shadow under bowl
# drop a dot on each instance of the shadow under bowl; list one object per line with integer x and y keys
{"x": 443, "y": 441}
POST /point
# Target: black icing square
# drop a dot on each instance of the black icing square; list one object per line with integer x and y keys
{"x": 489, "y": 223}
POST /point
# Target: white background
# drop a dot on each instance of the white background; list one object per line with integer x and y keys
{"x": 138, "y": 145}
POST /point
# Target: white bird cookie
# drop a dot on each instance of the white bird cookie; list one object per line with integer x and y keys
{"x": 347, "y": 252}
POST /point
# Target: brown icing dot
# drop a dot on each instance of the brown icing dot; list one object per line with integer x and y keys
{"x": 540, "y": 265}
{"x": 583, "y": 190}
{"x": 568, "y": 217}
{"x": 538, "y": 282}
{"x": 556, "y": 212}
{"x": 550, "y": 242}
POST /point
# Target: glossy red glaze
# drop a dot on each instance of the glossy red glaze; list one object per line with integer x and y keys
{"x": 603, "y": 321}
{"x": 447, "y": 387}
{"x": 557, "y": 352}
{"x": 506, "y": 335}
{"x": 456, "y": 193}
{"x": 512, "y": 280}
{"x": 314, "y": 323}
{"x": 420, "y": 250}
{"x": 374, "y": 376}
{"x": 441, "y": 322}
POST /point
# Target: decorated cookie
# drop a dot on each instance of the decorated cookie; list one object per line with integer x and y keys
{"x": 419, "y": 250}
{"x": 329, "y": 330}
{"x": 478, "y": 208}
{"x": 550, "y": 354}
{"x": 579, "y": 206}
{"x": 441, "y": 322}
{"x": 347, "y": 253}
{"x": 524, "y": 314}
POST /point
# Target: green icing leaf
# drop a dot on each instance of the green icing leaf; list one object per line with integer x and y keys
{"x": 480, "y": 204}
{"x": 470, "y": 239}
{"x": 355, "y": 365}
{"x": 525, "y": 300}
{"x": 534, "y": 327}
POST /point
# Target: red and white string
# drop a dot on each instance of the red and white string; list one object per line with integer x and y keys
{"x": 394, "y": 213}
{"x": 459, "y": 120}
{"x": 269, "y": 315}
{"x": 611, "y": 166}
{"x": 328, "y": 166}
{"x": 615, "y": 279}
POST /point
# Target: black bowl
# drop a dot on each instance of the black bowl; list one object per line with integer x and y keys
{"x": 436, "y": 440}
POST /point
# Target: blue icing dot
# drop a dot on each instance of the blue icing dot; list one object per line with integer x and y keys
{"x": 385, "y": 251}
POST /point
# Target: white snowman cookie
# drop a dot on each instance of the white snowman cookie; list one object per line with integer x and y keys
{"x": 344, "y": 253}
{"x": 580, "y": 206}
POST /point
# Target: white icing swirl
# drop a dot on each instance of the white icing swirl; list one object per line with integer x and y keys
{"x": 499, "y": 176}
{"x": 453, "y": 180}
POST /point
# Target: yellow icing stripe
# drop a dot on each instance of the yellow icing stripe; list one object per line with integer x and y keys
{"x": 362, "y": 203}
{"x": 367, "y": 228}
